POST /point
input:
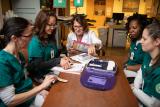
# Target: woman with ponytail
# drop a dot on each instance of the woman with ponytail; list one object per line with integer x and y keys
{"x": 15, "y": 87}
{"x": 147, "y": 82}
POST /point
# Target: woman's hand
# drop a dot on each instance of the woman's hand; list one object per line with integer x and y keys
{"x": 72, "y": 51}
{"x": 47, "y": 81}
{"x": 91, "y": 50}
{"x": 65, "y": 62}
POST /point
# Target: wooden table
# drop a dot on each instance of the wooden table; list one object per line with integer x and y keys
{"x": 73, "y": 94}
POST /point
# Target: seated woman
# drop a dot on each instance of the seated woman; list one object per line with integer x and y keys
{"x": 81, "y": 38}
{"x": 135, "y": 26}
{"x": 15, "y": 88}
{"x": 42, "y": 50}
{"x": 147, "y": 82}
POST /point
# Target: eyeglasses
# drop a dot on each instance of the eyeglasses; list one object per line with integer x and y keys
{"x": 27, "y": 36}
{"x": 78, "y": 27}
{"x": 52, "y": 26}
{"x": 28, "y": 33}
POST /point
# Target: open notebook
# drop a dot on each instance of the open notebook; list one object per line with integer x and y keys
{"x": 76, "y": 68}
{"x": 83, "y": 58}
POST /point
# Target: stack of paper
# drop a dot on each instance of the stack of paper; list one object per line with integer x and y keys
{"x": 111, "y": 65}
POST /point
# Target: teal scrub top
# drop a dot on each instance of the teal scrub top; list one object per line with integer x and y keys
{"x": 2, "y": 104}
{"x": 136, "y": 54}
{"x": 12, "y": 73}
{"x": 37, "y": 49}
{"x": 151, "y": 78}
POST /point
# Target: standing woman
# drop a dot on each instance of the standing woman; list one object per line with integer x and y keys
{"x": 42, "y": 50}
{"x": 15, "y": 88}
{"x": 147, "y": 82}
{"x": 81, "y": 34}
{"x": 135, "y": 26}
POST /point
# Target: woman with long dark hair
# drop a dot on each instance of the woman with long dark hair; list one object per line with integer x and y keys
{"x": 42, "y": 50}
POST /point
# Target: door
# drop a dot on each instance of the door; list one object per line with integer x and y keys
{"x": 26, "y": 8}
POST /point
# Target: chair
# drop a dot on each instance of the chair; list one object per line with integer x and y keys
{"x": 103, "y": 35}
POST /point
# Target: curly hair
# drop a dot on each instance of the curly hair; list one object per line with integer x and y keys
{"x": 81, "y": 19}
{"x": 142, "y": 21}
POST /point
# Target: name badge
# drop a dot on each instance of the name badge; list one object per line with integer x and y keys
{"x": 52, "y": 53}
{"x": 132, "y": 55}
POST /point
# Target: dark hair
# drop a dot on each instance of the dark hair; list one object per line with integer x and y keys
{"x": 154, "y": 33}
{"x": 81, "y": 19}
{"x": 142, "y": 21}
{"x": 13, "y": 26}
{"x": 41, "y": 22}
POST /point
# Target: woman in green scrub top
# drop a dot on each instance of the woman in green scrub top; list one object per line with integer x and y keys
{"x": 15, "y": 88}
{"x": 42, "y": 49}
{"x": 135, "y": 26}
{"x": 147, "y": 82}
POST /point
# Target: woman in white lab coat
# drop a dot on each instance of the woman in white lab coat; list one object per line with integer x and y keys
{"x": 81, "y": 38}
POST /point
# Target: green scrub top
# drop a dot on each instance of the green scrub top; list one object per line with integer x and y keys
{"x": 151, "y": 78}
{"x": 39, "y": 50}
{"x": 2, "y": 104}
{"x": 12, "y": 73}
{"x": 136, "y": 54}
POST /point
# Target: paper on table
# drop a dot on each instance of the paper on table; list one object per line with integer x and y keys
{"x": 111, "y": 65}
{"x": 83, "y": 58}
{"x": 76, "y": 68}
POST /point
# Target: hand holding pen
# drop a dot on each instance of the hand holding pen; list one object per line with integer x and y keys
{"x": 66, "y": 62}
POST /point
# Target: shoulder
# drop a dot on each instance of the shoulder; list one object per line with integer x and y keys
{"x": 147, "y": 58}
{"x": 139, "y": 45}
{"x": 146, "y": 61}
{"x": 5, "y": 71}
{"x": 35, "y": 46}
{"x": 71, "y": 35}
{"x": 5, "y": 57}
{"x": 157, "y": 72}
{"x": 3, "y": 60}
{"x": 34, "y": 41}
{"x": 91, "y": 32}
{"x": 35, "y": 38}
